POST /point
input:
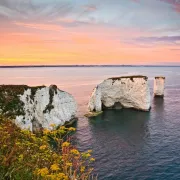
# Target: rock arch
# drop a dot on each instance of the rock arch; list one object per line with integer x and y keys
{"x": 129, "y": 91}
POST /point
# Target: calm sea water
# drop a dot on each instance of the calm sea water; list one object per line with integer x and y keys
{"x": 127, "y": 144}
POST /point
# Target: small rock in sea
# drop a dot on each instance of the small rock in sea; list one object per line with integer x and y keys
{"x": 159, "y": 83}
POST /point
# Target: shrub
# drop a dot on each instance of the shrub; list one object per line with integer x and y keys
{"x": 49, "y": 155}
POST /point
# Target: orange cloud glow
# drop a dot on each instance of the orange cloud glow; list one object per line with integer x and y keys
{"x": 49, "y": 27}
{"x": 53, "y": 44}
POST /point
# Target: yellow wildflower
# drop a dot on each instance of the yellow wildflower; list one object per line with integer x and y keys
{"x": 53, "y": 133}
{"x": 86, "y": 155}
{"x": 68, "y": 164}
{"x": 65, "y": 144}
{"x": 75, "y": 152}
{"x": 54, "y": 167}
{"x": 82, "y": 169}
{"x": 46, "y": 131}
{"x": 89, "y": 151}
{"x": 43, "y": 147}
{"x": 62, "y": 176}
{"x": 62, "y": 128}
{"x": 72, "y": 129}
{"x": 92, "y": 159}
{"x": 43, "y": 172}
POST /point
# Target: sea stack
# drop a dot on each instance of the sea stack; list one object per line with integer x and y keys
{"x": 35, "y": 108}
{"x": 159, "y": 83}
{"x": 121, "y": 92}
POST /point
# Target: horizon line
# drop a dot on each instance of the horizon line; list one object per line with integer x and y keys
{"x": 82, "y": 65}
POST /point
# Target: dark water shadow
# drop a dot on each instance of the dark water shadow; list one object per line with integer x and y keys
{"x": 124, "y": 123}
{"x": 158, "y": 109}
{"x": 158, "y": 104}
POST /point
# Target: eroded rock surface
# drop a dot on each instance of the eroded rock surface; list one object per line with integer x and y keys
{"x": 121, "y": 92}
{"x": 39, "y": 107}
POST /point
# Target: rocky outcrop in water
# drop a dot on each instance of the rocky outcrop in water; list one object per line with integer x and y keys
{"x": 35, "y": 108}
{"x": 121, "y": 92}
{"x": 159, "y": 83}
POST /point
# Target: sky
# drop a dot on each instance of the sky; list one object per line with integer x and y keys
{"x": 66, "y": 32}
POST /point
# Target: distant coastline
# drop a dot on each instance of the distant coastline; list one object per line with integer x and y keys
{"x": 49, "y": 66}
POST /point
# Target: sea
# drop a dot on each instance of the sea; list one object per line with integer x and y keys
{"x": 127, "y": 144}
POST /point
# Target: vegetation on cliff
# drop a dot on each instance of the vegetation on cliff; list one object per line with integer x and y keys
{"x": 49, "y": 155}
{"x": 130, "y": 77}
{"x": 10, "y": 104}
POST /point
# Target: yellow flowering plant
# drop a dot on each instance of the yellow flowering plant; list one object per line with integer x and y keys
{"x": 49, "y": 156}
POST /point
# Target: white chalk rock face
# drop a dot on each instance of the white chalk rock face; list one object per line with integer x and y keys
{"x": 118, "y": 92}
{"x": 37, "y": 107}
{"x": 49, "y": 106}
{"x": 159, "y": 83}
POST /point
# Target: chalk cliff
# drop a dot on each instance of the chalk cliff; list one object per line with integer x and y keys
{"x": 35, "y": 108}
{"x": 159, "y": 83}
{"x": 118, "y": 92}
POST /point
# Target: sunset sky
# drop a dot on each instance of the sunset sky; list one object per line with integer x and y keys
{"x": 39, "y": 32}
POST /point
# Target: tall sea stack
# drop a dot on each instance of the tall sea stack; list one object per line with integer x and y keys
{"x": 159, "y": 83}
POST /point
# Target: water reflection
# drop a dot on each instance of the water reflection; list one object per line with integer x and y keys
{"x": 116, "y": 136}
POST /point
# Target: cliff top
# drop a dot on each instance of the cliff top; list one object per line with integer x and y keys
{"x": 18, "y": 89}
{"x": 10, "y": 104}
{"x": 131, "y": 77}
{"x": 159, "y": 77}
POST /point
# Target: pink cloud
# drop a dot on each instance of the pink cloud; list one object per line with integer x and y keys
{"x": 177, "y": 8}
{"x": 175, "y": 4}
{"x": 90, "y": 8}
